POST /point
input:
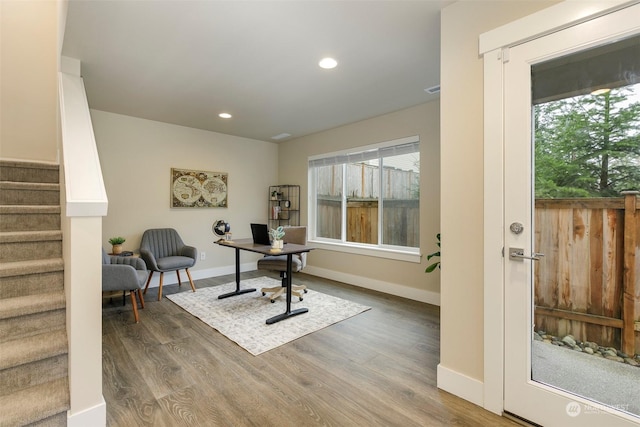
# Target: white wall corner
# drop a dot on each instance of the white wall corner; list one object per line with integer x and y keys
{"x": 460, "y": 385}
{"x": 95, "y": 416}
{"x": 70, "y": 66}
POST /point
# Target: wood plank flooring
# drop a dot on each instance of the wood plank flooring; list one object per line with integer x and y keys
{"x": 375, "y": 369}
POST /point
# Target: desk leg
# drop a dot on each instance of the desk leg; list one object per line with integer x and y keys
{"x": 238, "y": 291}
{"x": 287, "y": 313}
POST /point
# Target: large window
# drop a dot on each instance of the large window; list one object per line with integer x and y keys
{"x": 367, "y": 197}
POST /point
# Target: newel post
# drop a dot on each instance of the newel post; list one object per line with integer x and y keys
{"x": 629, "y": 276}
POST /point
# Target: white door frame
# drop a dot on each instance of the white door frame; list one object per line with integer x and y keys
{"x": 493, "y": 46}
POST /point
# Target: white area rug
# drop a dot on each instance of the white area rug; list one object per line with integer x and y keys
{"x": 242, "y": 318}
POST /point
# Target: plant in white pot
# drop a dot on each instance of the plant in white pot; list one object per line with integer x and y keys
{"x": 277, "y": 235}
{"x": 116, "y": 243}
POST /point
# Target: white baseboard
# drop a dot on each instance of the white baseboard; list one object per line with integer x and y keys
{"x": 376, "y": 285}
{"x": 461, "y": 385}
{"x": 95, "y": 416}
{"x": 351, "y": 279}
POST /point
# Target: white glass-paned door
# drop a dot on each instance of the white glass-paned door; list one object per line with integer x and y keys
{"x": 571, "y": 150}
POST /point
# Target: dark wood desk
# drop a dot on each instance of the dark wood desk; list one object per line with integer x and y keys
{"x": 289, "y": 250}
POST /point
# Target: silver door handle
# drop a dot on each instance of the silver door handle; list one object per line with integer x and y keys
{"x": 517, "y": 254}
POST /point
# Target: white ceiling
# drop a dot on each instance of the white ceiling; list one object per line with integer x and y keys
{"x": 183, "y": 62}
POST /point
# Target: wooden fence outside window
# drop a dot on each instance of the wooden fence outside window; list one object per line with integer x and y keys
{"x": 586, "y": 285}
{"x": 400, "y": 216}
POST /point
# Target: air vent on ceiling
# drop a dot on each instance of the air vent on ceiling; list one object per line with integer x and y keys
{"x": 281, "y": 136}
{"x": 432, "y": 90}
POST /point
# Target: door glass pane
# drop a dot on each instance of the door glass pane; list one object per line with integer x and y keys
{"x": 586, "y": 289}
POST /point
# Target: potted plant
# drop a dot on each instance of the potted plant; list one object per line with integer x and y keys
{"x": 276, "y": 238}
{"x": 116, "y": 243}
{"x": 433, "y": 266}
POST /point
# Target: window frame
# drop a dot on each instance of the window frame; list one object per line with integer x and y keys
{"x": 401, "y": 253}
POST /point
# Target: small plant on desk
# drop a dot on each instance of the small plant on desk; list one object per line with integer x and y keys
{"x": 116, "y": 243}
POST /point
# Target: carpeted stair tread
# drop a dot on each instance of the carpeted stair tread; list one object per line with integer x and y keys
{"x": 34, "y": 403}
{"x": 29, "y": 171}
{"x": 30, "y": 236}
{"x": 29, "y": 209}
{"x": 45, "y": 186}
{"x": 57, "y": 420}
{"x": 9, "y": 269}
{"x": 32, "y": 374}
{"x": 26, "y": 164}
{"x": 31, "y": 304}
{"x": 27, "y": 326}
{"x": 21, "y": 217}
{"x": 30, "y": 349}
{"x": 34, "y": 385}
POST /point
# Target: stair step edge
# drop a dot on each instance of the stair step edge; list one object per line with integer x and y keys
{"x": 30, "y": 236}
{"x": 26, "y": 350}
{"x": 31, "y": 304}
{"x": 44, "y": 400}
{"x": 21, "y": 185}
{"x": 19, "y": 268}
{"x": 25, "y": 164}
{"x": 30, "y": 209}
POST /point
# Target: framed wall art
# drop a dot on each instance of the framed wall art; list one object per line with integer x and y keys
{"x": 198, "y": 189}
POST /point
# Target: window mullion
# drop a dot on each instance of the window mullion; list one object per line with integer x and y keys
{"x": 312, "y": 202}
{"x": 343, "y": 234}
{"x": 380, "y": 198}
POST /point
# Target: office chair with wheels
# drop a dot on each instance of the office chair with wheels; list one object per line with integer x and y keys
{"x": 293, "y": 234}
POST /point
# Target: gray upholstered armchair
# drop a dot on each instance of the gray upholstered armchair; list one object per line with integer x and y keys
{"x": 163, "y": 250}
{"x": 292, "y": 234}
{"x": 124, "y": 274}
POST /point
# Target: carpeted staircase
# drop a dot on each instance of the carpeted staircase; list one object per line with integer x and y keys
{"x": 34, "y": 387}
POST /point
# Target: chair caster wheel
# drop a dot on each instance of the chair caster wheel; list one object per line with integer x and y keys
{"x": 305, "y": 291}
{"x": 263, "y": 294}
{"x": 272, "y": 301}
{"x": 300, "y": 299}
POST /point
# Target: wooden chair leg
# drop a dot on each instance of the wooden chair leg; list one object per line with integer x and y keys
{"x": 148, "y": 281}
{"x": 140, "y": 297}
{"x": 134, "y": 303}
{"x": 160, "y": 287}
{"x": 179, "y": 280}
{"x": 193, "y": 287}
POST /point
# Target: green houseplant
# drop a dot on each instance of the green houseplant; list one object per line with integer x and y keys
{"x": 276, "y": 237}
{"x": 433, "y": 266}
{"x": 116, "y": 243}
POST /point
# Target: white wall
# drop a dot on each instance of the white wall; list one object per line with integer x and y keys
{"x": 396, "y": 277}
{"x": 136, "y": 157}
{"x": 461, "y": 317}
{"x": 28, "y": 82}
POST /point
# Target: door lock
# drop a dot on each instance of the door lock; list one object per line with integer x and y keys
{"x": 516, "y": 227}
{"x": 517, "y": 254}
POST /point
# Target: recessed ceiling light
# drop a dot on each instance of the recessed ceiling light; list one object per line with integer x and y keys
{"x": 328, "y": 63}
{"x": 224, "y": 115}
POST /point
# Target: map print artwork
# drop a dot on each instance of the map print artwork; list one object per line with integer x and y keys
{"x": 198, "y": 189}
